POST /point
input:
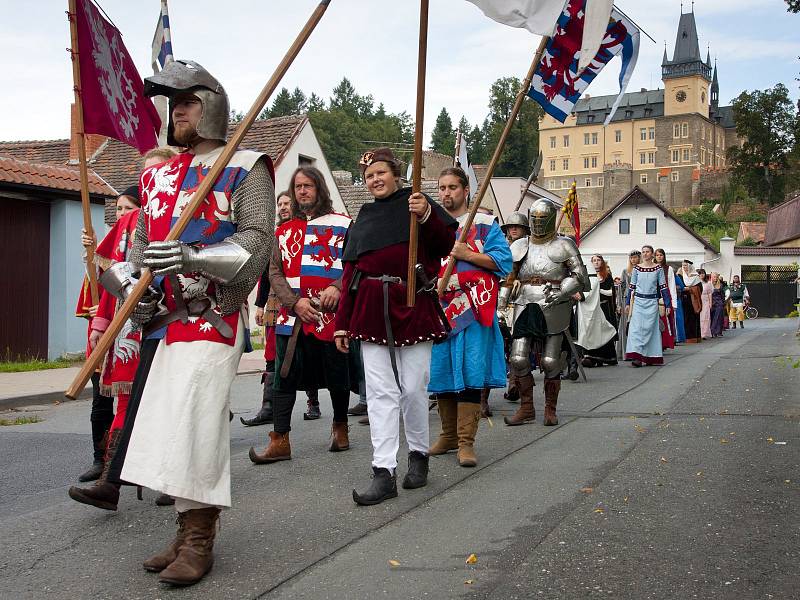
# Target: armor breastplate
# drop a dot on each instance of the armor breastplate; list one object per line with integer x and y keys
{"x": 537, "y": 265}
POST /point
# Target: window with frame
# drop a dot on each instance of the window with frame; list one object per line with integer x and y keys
{"x": 643, "y": 134}
{"x": 675, "y": 176}
{"x": 565, "y": 183}
{"x": 642, "y": 158}
{"x": 684, "y": 130}
{"x": 676, "y": 130}
{"x": 613, "y": 180}
{"x": 600, "y": 182}
{"x": 651, "y": 158}
{"x": 305, "y": 161}
{"x": 594, "y": 162}
{"x": 566, "y": 141}
{"x": 624, "y": 226}
{"x": 565, "y": 164}
{"x": 551, "y": 185}
{"x": 651, "y": 226}
{"x": 585, "y": 139}
{"x": 586, "y": 162}
{"x": 651, "y": 133}
{"x": 587, "y": 182}
{"x": 552, "y": 165}
{"x": 676, "y": 156}
{"x": 552, "y": 141}
{"x": 643, "y": 178}
{"x": 594, "y": 139}
{"x": 686, "y": 154}
{"x": 618, "y": 135}
{"x": 703, "y": 155}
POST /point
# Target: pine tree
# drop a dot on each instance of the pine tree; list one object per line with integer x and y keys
{"x": 443, "y": 138}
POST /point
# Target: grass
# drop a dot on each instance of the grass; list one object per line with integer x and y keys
{"x": 20, "y": 421}
{"x": 19, "y": 366}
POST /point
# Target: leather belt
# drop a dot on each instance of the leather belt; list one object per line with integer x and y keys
{"x": 646, "y": 296}
{"x": 200, "y": 307}
{"x": 385, "y": 281}
{"x": 538, "y": 281}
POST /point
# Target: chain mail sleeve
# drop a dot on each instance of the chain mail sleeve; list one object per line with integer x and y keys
{"x": 140, "y": 241}
{"x": 254, "y": 214}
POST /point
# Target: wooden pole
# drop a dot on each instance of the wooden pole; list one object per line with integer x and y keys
{"x": 523, "y": 92}
{"x": 80, "y": 138}
{"x": 416, "y": 178}
{"x": 204, "y": 188}
{"x": 528, "y": 183}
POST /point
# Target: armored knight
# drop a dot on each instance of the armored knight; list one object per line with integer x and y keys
{"x": 548, "y": 272}
{"x": 194, "y": 319}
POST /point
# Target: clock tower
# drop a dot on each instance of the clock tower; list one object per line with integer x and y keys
{"x": 686, "y": 77}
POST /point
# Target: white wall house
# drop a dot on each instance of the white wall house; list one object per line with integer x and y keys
{"x": 636, "y": 220}
{"x": 507, "y": 191}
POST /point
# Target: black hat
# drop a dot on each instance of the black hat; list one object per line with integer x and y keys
{"x": 686, "y": 260}
{"x": 131, "y": 192}
{"x": 378, "y": 155}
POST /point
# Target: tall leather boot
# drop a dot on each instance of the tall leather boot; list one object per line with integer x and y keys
{"x": 103, "y": 493}
{"x": 195, "y": 556}
{"x": 448, "y": 439}
{"x": 512, "y": 393}
{"x": 277, "y": 449}
{"x": 159, "y": 562}
{"x": 339, "y": 439}
{"x": 469, "y": 415}
{"x": 486, "y": 410}
{"x": 551, "y": 389}
{"x": 526, "y": 413}
{"x": 99, "y": 444}
{"x": 264, "y": 415}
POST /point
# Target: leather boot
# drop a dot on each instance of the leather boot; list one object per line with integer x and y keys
{"x": 526, "y": 413}
{"x": 469, "y": 415}
{"x": 339, "y": 439}
{"x": 264, "y": 415}
{"x": 551, "y": 389}
{"x": 195, "y": 555}
{"x": 486, "y": 410}
{"x": 165, "y": 500}
{"x": 382, "y": 487}
{"x": 100, "y": 443}
{"x": 103, "y": 493}
{"x": 417, "y": 475}
{"x": 448, "y": 439}
{"x": 512, "y": 394}
{"x": 159, "y": 562}
{"x": 277, "y": 449}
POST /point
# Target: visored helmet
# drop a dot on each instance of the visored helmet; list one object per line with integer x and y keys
{"x": 189, "y": 76}
{"x": 542, "y": 219}
{"x": 516, "y": 219}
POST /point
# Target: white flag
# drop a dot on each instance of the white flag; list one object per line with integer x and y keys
{"x": 463, "y": 162}
{"x": 595, "y": 23}
{"x": 537, "y": 16}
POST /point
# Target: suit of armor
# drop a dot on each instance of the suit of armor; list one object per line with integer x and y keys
{"x": 548, "y": 271}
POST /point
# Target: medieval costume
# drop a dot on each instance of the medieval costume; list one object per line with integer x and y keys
{"x": 472, "y": 358}
{"x": 705, "y": 313}
{"x": 396, "y": 340}
{"x": 176, "y": 437}
{"x": 738, "y": 297}
{"x": 548, "y": 271}
{"x": 680, "y": 332}
{"x": 597, "y": 323}
{"x": 306, "y": 259}
{"x": 718, "y": 308}
{"x": 648, "y": 284}
{"x": 691, "y": 303}
{"x": 667, "y": 321}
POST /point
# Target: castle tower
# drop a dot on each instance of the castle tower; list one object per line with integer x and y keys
{"x": 686, "y": 76}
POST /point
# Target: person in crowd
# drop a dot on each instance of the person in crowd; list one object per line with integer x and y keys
{"x": 305, "y": 273}
{"x": 634, "y": 257}
{"x": 647, "y": 285}
{"x": 597, "y": 317}
{"x": 718, "y": 294}
{"x": 705, "y": 314}
{"x": 691, "y": 300}
{"x": 396, "y": 340}
{"x": 471, "y": 359}
{"x": 739, "y": 299}
{"x": 668, "y": 329}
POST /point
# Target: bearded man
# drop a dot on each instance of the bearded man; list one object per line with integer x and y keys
{"x": 305, "y": 275}
{"x": 177, "y": 435}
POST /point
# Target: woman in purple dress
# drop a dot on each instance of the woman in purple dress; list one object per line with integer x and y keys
{"x": 717, "y": 305}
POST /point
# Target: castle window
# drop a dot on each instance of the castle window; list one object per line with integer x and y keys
{"x": 643, "y": 178}
{"x": 686, "y": 153}
{"x": 566, "y": 141}
{"x": 552, "y": 165}
{"x": 565, "y": 164}
{"x": 676, "y": 130}
{"x": 590, "y": 119}
{"x": 565, "y": 183}
{"x": 684, "y": 130}
{"x": 587, "y": 182}
{"x": 594, "y": 139}
{"x": 618, "y": 135}
{"x": 675, "y": 176}
{"x": 624, "y": 226}
{"x": 585, "y": 139}
{"x": 552, "y": 141}
{"x": 651, "y": 158}
{"x": 676, "y": 156}
{"x": 651, "y": 133}
{"x": 643, "y": 134}
{"x": 594, "y": 162}
{"x": 628, "y": 114}
{"x": 642, "y": 158}
{"x": 600, "y": 181}
{"x": 703, "y": 156}
{"x": 651, "y": 226}
{"x": 551, "y": 185}
{"x": 586, "y": 162}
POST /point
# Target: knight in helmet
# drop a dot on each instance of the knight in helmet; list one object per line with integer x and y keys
{"x": 194, "y": 318}
{"x": 548, "y": 274}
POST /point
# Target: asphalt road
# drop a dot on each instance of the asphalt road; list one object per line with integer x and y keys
{"x": 673, "y": 482}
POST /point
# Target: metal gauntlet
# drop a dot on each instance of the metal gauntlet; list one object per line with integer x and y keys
{"x": 119, "y": 279}
{"x": 219, "y": 262}
{"x": 503, "y": 298}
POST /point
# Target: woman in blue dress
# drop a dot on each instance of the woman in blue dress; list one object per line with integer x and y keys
{"x": 648, "y": 284}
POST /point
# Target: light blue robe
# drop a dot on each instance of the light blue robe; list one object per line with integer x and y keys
{"x": 644, "y": 336}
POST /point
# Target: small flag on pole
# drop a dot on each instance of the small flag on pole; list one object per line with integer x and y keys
{"x": 570, "y": 209}
{"x": 556, "y": 84}
{"x": 114, "y": 104}
{"x": 462, "y": 161}
{"x": 162, "y": 40}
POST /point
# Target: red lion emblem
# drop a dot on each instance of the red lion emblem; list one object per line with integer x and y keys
{"x": 328, "y": 246}
{"x": 209, "y": 209}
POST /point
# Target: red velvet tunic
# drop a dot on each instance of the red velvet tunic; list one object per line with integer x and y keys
{"x": 361, "y": 314}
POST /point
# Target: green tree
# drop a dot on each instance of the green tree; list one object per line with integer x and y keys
{"x": 236, "y": 116}
{"x": 299, "y": 101}
{"x": 767, "y": 122}
{"x": 476, "y": 144}
{"x": 315, "y": 103}
{"x": 443, "y": 137}
{"x": 346, "y": 99}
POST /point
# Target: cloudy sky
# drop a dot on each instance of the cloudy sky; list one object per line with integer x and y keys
{"x": 373, "y": 43}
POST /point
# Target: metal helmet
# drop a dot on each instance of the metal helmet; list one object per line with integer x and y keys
{"x": 542, "y": 219}
{"x": 189, "y": 76}
{"x": 516, "y": 219}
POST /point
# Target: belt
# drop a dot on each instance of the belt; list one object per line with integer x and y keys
{"x": 200, "y": 307}
{"x": 647, "y": 296}
{"x": 385, "y": 281}
{"x": 538, "y": 281}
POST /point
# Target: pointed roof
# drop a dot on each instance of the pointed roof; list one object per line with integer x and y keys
{"x": 714, "y": 80}
{"x": 687, "y": 44}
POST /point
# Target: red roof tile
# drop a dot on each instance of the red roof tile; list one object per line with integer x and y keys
{"x": 765, "y": 251}
{"x": 753, "y": 230}
{"x": 39, "y": 151}
{"x": 56, "y": 177}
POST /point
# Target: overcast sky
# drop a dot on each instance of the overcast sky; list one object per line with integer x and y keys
{"x": 374, "y": 44}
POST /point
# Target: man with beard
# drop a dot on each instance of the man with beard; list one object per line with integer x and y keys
{"x": 471, "y": 358}
{"x": 176, "y": 435}
{"x": 305, "y": 274}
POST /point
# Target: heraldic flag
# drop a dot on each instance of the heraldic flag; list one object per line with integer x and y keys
{"x": 570, "y": 209}
{"x": 556, "y": 84}
{"x": 114, "y": 104}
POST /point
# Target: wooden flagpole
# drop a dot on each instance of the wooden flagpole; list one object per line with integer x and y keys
{"x": 91, "y": 272}
{"x": 487, "y": 178}
{"x": 416, "y": 178}
{"x": 124, "y": 312}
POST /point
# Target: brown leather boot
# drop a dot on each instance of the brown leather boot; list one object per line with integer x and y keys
{"x": 277, "y": 449}
{"x": 102, "y": 493}
{"x": 448, "y": 439}
{"x": 486, "y": 410}
{"x": 469, "y": 415}
{"x": 551, "y": 389}
{"x": 159, "y": 562}
{"x": 195, "y": 555}
{"x": 526, "y": 413}
{"x": 339, "y": 439}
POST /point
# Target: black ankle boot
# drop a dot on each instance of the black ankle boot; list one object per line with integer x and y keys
{"x": 417, "y": 475}
{"x": 382, "y": 487}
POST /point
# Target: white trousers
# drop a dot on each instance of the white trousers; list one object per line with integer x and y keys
{"x": 385, "y": 400}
